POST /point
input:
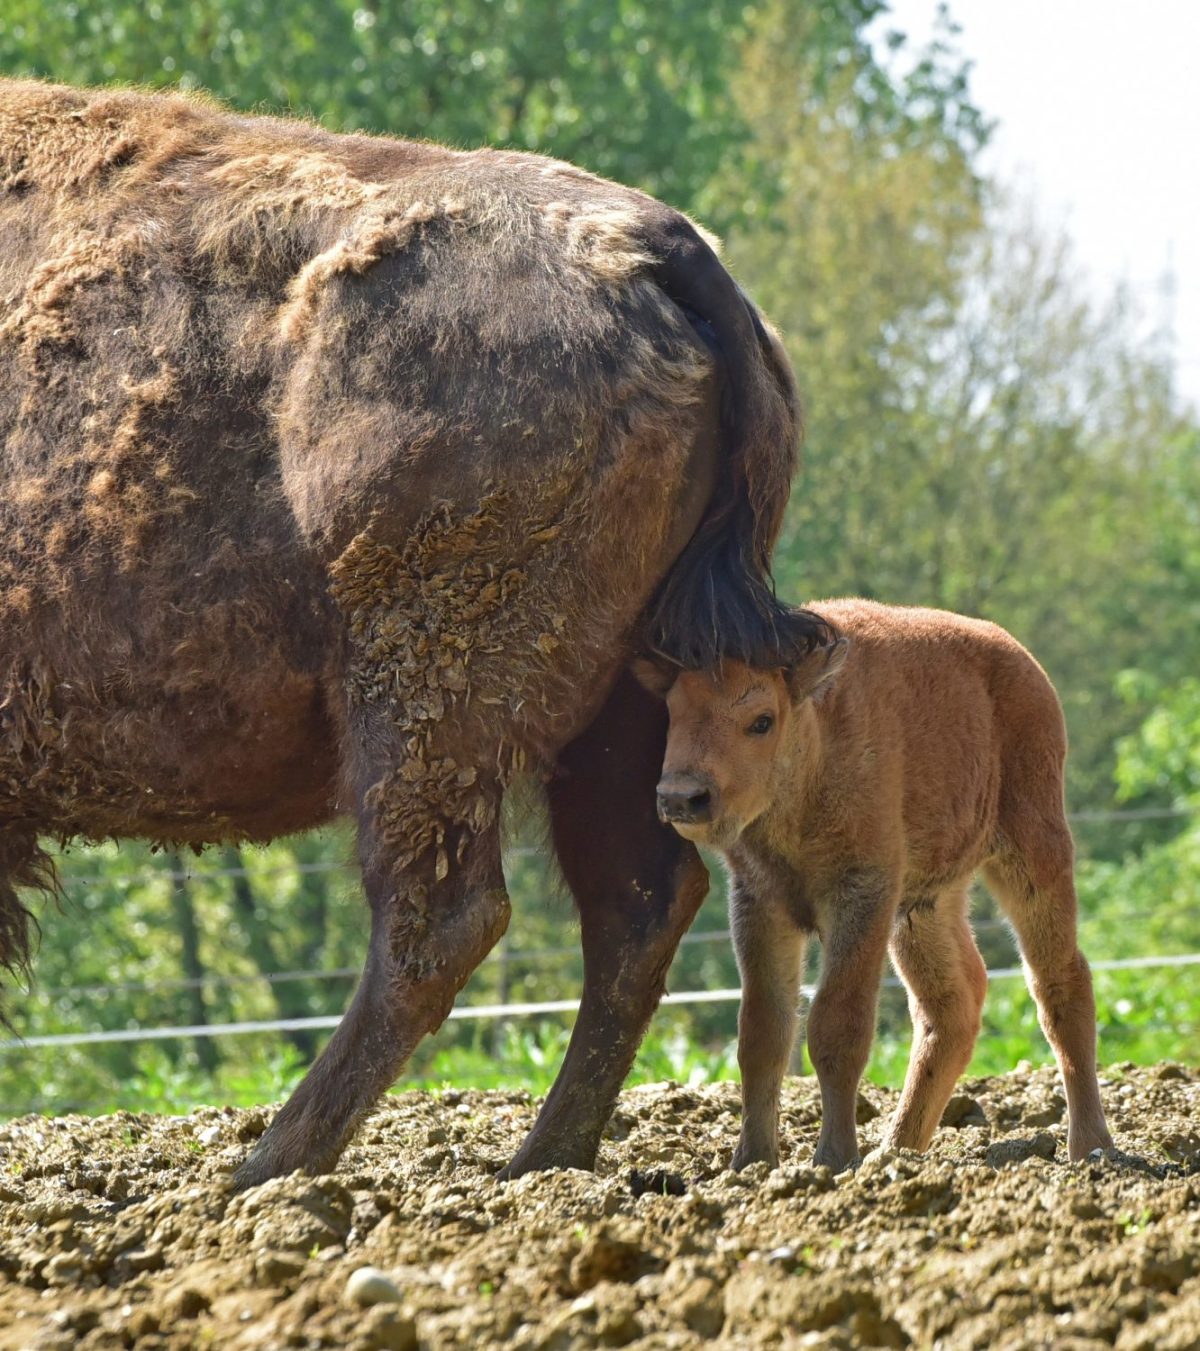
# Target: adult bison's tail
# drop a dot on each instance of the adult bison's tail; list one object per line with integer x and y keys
{"x": 718, "y": 599}
{"x": 23, "y": 865}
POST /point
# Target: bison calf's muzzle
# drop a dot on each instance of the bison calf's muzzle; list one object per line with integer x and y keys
{"x": 686, "y": 801}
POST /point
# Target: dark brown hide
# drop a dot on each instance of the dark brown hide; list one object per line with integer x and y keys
{"x": 336, "y": 474}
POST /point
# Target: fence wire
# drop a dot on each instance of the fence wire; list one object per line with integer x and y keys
{"x": 511, "y": 957}
{"x": 492, "y": 1011}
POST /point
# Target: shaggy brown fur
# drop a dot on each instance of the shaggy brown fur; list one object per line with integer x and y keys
{"x": 855, "y": 795}
{"x": 337, "y": 476}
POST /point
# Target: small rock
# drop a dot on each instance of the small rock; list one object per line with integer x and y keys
{"x": 369, "y": 1285}
{"x": 792, "y": 1180}
{"x": 76, "y": 1320}
{"x": 209, "y": 1135}
{"x": 1084, "y": 1207}
{"x": 1049, "y": 1115}
{"x": 144, "y": 1259}
{"x": 656, "y": 1182}
{"x": 605, "y": 1258}
{"x": 1005, "y": 1153}
{"x": 184, "y": 1301}
{"x": 1166, "y": 1272}
{"x": 1170, "y": 1070}
{"x": 387, "y": 1329}
{"x": 116, "y": 1185}
{"x": 64, "y": 1269}
{"x": 617, "y": 1321}
{"x": 864, "y": 1110}
{"x": 252, "y": 1125}
{"x": 139, "y": 1321}
{"x": 701, "y": 1305}
{"x": 753, "y": 1175}
{"x": 274, "y": 1268}
{"x": 963, "y": 1110}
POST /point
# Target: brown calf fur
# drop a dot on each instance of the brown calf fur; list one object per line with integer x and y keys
{"x": 855, "y": 795}
{"x": 341, "y": 475}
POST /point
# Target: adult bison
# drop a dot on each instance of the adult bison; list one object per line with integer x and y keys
{"x": 342, "y": 475}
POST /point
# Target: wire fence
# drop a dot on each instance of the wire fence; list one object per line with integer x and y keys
{"x": 508, "y": 956}
{"x": 324, "y": 1023}
{"x": 217, "y": 979}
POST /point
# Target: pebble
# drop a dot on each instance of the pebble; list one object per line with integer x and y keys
{"x": 963, "y": 1110}
{"x": 1003, "y": 1153}
{"x": 369, "y": 1285}
{"x": 386, "y": 1329}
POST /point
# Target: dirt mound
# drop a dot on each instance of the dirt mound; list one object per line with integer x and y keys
{"x": 122, "y": 1231}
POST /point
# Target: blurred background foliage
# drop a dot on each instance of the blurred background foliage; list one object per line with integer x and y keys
{"x": 984, "y": 434}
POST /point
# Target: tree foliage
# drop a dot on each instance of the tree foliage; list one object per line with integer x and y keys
{"x": 982, "y": 436}
{"x": 632, "y": 89}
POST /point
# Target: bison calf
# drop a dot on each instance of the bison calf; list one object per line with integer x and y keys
{"x": 856, "y": 794}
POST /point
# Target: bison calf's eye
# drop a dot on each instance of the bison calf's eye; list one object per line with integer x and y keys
{"x": 761, "y": 725}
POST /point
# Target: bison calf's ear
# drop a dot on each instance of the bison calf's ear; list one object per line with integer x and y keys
{"x": 654, "y": 675}
{"x": 817, "y": 669}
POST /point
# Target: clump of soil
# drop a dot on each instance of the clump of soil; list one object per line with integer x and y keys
{"x": 123, "y": 1231}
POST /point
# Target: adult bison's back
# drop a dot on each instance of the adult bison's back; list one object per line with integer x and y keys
{"x": 340, "y": 474}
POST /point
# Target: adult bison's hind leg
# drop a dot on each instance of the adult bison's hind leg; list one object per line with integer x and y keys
{"x": 638, "y": 886}
{"x": 474, "y": 644}
{"x": 438, "y": 905}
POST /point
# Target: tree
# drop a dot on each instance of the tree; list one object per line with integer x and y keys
{"x": 982, "y": 436}
{"x": 631, "y": 89}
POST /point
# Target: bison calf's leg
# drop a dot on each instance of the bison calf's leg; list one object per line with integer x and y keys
{"x": 638, "y": 886}
{"x": 935, "y": 953}
{"x": 854, "y": 924}
{"x": 1037, "y": 893}
{"x": 434, "y": 917}
{"x": 770, "y": 954}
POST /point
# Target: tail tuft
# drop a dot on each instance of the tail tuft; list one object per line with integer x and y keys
{"x": 716, "y": 602}
{"x": 23, "y": 864}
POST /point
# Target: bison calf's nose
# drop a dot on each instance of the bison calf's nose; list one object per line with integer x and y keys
{"x": 686, "y": 804}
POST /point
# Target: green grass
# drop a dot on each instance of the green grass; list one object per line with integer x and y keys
{"x": 1143, "y": 1016}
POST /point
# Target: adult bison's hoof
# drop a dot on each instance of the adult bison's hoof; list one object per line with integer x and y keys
{"x": 256, "y": 1170}
{"x": 836, "y": 1160}
{"x": 746, "y": 1154}
{"x": 533, "y": 1158}
{"x": 262, "y": 1164}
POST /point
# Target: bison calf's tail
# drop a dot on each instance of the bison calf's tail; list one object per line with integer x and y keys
{"x": 718, "y": 600}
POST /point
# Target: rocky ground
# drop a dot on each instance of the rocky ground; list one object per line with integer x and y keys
{"x": 122, "y": 1231}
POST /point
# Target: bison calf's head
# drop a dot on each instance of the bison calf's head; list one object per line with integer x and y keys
{"x": 733, "y": 739}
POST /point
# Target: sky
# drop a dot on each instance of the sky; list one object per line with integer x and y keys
{"x": 1097, "y": 106}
